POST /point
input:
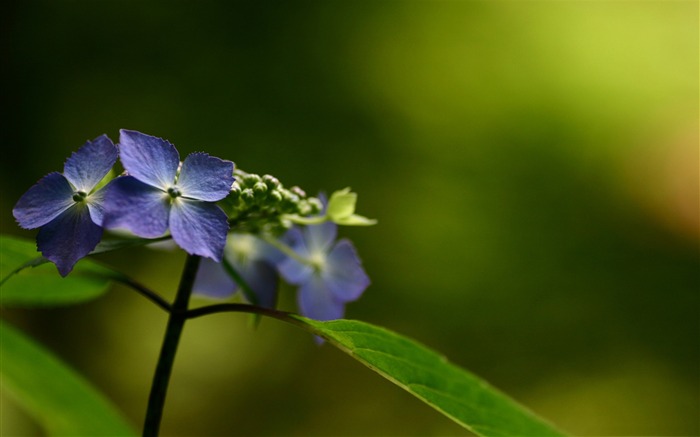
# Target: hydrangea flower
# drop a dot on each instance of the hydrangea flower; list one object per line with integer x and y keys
{"x": 254, "y": 259}
{"x": 158, "y": 194}
{"x": 331, "y": 277}
{"x": 67, "y": 207}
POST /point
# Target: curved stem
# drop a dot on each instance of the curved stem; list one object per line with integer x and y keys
{"x": 176, "y": 321}
{"x": 237, "y": 308}
{"x": 143, "y": 290}
{"x": 238, "y": 279}
{"x": 283, "y": 316}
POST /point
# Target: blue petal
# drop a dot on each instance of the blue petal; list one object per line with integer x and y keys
{"x": 320, "y": 237}
{"x": 69, "y": 237}
{"x": 317, "y": 302}
{"x": 262, "y": 279}
{"x": 292, "y": 270}
{"x": 151, "y": 160}
{"x": 44, "y": 201}
{"x": 249, "y": 246}
{"x": 213, "y": 281}
{"x": 136, "y": 206}
{"x": 343, "y": 272}
{"x": 199, "y": 227}
{"x": 95, "y": 203}
{"x": 86, "y": 167}
{"x": 268, "y": 252}
{"x": 205, "y": 177}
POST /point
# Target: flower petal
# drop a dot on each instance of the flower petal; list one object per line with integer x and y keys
{"x": 44, "y": 201}
{"x": 344, "y": 274}
{"x": 69, "y": 237}
{"x": 136, "y": 206}
{"x": 292, "y": 270}
{"x": 262, "y": 279}
{"x": 95, "y": 203}
{"x": 199, "y": 227}
{"x": 213, "y": 281}
{"x": 86, "y": 167}
{"x": 317, "y": 302}
{"x": 205, "y": 177}
{"x": 320, "y": 237}
{"x": 151, "y": 160}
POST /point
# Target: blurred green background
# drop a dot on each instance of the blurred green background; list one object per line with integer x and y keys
{"x": 533, "y": 167}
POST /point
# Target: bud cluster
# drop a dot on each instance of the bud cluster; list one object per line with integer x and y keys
{"x": 258, "y": 203}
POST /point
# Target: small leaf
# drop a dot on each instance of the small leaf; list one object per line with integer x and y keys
{"x": 356, "y": 220}
{"x": 456, "y": 393}
{"x": 58, "y": 398}
{"x": 341, "y": 204}
{"x": 27, "y": 279}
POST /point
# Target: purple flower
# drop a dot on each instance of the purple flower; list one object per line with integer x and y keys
{"x": 331, "y": 276}
{"x": 254, "y": 259}
{"x": 156, "y": 196}
{"x": 65, "y": 207}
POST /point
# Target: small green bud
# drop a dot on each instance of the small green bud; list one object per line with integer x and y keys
{"x": 304, "y": 208}
{"x": 250, "y": 180}
{"x": 298, "y": 191}
{"x": 275, "y": 196}
{"x": 235, "y": 192}
{"x": 271, "y": 181}
{"x": 260, "y": 188}
{"x": 247, "y": 195}
{"x": 315, "y": 205}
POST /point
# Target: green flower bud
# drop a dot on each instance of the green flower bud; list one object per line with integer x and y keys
{"x": 235, "y": 192}
{"x": 271, "y": 181}
{"x": 315, "y": 205}
{"x": 274, "y": 196}
{"x": 250, "y": 180}
{"x": 247, "y": 195}
{"x": 260, "y": 189}
{"x": 298, "y": 191}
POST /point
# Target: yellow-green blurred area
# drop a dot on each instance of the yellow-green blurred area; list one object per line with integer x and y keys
{"x": 533, "y": 167}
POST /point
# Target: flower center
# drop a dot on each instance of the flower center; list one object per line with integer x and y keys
{"x": 242, "y": 247}
{"x": 317, "y": 261}
{"x": 79, "y": 196}
{"x": 174, "y": 192}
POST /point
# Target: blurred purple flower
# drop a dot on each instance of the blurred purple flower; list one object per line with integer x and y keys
{"x": 332, "y": 276}
{"x": 65, "y": 207}
{"x": 155, "y": 197}
{"x": 254, "y": 259}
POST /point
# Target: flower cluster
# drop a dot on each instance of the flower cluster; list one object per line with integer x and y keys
{"x": 250, "y": 229}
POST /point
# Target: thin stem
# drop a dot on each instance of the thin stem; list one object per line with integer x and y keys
{"x": 143, "y": 290}
{"x": 247, "y": 291}
{"x": 176, "y": 321}
{"x": 237, "y": 308}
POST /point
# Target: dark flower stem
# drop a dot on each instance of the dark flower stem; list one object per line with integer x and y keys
{"x": 176, "y": 321}
{"x": 143, "y": 291}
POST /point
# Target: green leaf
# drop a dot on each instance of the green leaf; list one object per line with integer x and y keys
{"x": 341, "y": 209}
{"x": 355, "y": 220}
{"x": 58, "y": 398}
{"x": 341, "y": 204}
{"x": 456, "y": 393}
{"x": 27, "y": 279}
